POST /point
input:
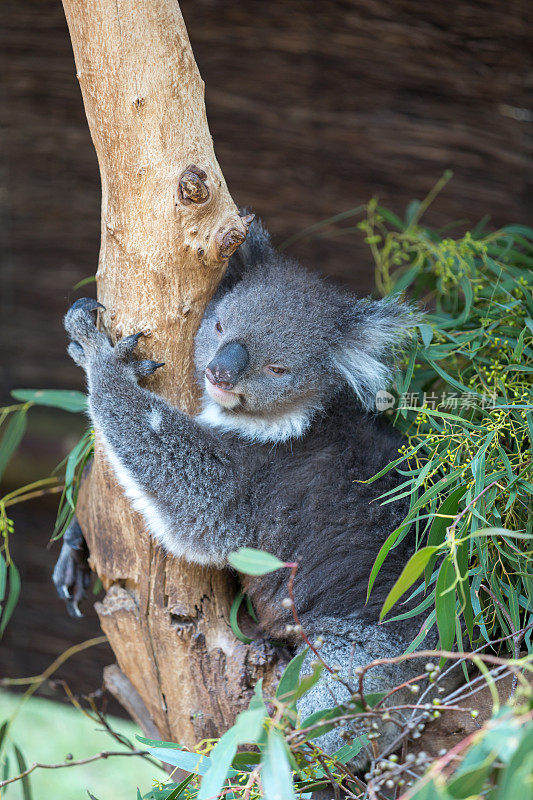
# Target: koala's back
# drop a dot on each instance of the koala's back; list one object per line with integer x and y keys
{"x": 306, "y": 504}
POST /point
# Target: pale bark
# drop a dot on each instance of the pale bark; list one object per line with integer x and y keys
{"x": 168, "y": 228}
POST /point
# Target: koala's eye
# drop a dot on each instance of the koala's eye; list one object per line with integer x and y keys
{"x": 219, "y": 329}
{"x": 275, "y": 369}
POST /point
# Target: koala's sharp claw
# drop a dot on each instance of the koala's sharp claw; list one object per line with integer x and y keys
{"x": 80, "y": 324}
{"x": 87, "y": 304}
{"x": 76, "y": 352}
{"x": 147, "y": 367}
{"x": 127, "y": 345}
{"x": 63, "y": 592}
{"x": 73, "y": 609}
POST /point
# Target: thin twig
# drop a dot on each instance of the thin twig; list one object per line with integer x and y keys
{"x": 88, "y": 760}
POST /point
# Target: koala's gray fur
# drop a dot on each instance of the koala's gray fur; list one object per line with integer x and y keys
{"x": 276, "y": 461}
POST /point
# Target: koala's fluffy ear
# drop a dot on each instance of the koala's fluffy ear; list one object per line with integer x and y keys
{"x": 372, "y": 335}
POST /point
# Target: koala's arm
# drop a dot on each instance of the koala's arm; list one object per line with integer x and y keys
{"x": 176, "y": 472}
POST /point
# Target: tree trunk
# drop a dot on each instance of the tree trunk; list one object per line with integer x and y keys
{"x": 168, "y": 228}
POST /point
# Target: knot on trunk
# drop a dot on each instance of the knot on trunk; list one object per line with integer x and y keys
{"x": 192, "y": 187}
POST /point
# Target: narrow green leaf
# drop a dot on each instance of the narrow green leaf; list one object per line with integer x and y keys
{"x": 308, "y": 681}
{"x": 349, "y": 751}
{"x": 411, "y": 211}
{"x": 191, "y": 762}
{"x": 25, "y": 782}
{"x": 75, "y": 402}
{"x": 276, "y": 774}
{"x": 516, "y": 780}
{"x": 221, "y": 757}
{"x": 74, "y": 459}
{"x": 15, "y": 430}
{"x": 12, "y": 597}
{"x": 291, "y": 673}
{"x": 254, "y": 562}
{"x": 246, "y": 759}
{"x": 445, "y": 604}
{"x": 233, "y": 614}
{"x": 426, "y": 332}
{"x": 390, "y": 541}
{"x": 158, "y": 743}
{"x": 3, "y": 731}
{"x": 84, "y": 282}
{"x": 412, "y": 570}
{"x": 442, "y": 520}
{"x": 247, "y": 730}
{"x": 3, "y": 578}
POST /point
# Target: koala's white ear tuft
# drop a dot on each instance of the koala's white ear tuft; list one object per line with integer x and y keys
{"x": 375, "y": 332}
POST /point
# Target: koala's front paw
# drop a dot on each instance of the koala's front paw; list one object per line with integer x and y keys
{"x": 80, "y": 324}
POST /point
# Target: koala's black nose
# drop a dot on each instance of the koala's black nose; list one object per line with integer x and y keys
{"x": 228, "y": 365}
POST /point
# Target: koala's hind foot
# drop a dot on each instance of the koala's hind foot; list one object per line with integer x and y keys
{"x": 72, "y": 574}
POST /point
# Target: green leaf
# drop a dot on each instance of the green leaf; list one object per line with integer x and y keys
{"x": 3, "y": 730}
{"x": 442, "y": 520}
{"x": 411, "y": 211}
{"x": 158, "y": 743}
{"x": 426, "y": 332}
{"x": 328, "y": 714}
{"x": 247, "y": 730}
{"x": 412, "y": 570}
{"x": 12, "y": 597}
{"x": 429, "y": 791}
{"x": 245, "y": 759}
{"x": 3, "y": 578}
{"x": 516, "y": 780}
{"x": 233, "y": 614}
{"x": 57, "y": 398}
{"x": 470, "y": 782}
{"x": 276, "y": 774}
{"x": 84, "y": 282}
{"x": 15, "y": 430}
{"x": 382, "y": 555}
{"x": 191, "y": 762}
{"x": 445, "y": 604}
{"x": 503, "y": 532}
{"x": 254, "y": 562}
{"x": 76, "y": 457}
{"x": 322, "y": 716}
{"x": 249, "y": 725}
{"x": 25, "y": 782}
{"x": 349, "y": 751}
{"x": 308, "y": 681}
{"x": 221, "y": 758}
{"x": 291, "y": 673}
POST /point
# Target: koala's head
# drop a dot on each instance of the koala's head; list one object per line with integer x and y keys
{"x": 273, "y": 349}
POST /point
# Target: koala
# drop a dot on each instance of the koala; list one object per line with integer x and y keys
{"x": 289, "y": 366}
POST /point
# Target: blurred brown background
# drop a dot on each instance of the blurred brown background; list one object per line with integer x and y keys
{"x": 314, "y": 107}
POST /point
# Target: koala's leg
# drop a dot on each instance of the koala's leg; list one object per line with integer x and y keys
{"x": 352, "y": 649}
{"x": 72, "y": 574}
{"x": 176, "y": 472}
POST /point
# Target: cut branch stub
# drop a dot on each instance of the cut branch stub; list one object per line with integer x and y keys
{"x": 192, "y": 187}
{"x": 230, "y": 238}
